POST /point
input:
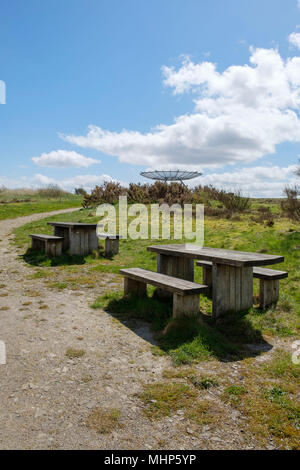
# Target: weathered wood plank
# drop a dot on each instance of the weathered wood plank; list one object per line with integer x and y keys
{"x": 232, "y": 289}
{"x": 41, "y": 236}
{"x": 72, "y": 224}
{"x": 185, "y": 305}
{"x": 134, "y": 287}
{"x": 268, "y": 292}
{"x": 217, "y": 255}
{"x": 172, "y": 284}
{"x": 264, "y": 273}
{"x": 111, "y": 246}
{"x": 50, "y": 244}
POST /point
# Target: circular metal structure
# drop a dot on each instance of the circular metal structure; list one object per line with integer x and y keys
{"x": 171, "y": 175}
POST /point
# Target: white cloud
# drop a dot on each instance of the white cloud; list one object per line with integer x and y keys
{"x": 260, "y": 181}
{"x": 87, "y": 182}
{"x": 39, "y": 180}
{"x": 63, "y": 158}
{"x": 240, "y": 115}
{"x": 294, "y": 39}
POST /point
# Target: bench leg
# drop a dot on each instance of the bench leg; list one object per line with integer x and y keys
{"x": 175, "y": 266}
{"x": 111, "y": 247}
{"x": 185, "y": 305}
{"x": 53, "y": 248}
{"x": 207, "y": 278}
{"x": 38, "y": 245}
{"x": 132, "y": 287}
{"x": 268, "y": 293}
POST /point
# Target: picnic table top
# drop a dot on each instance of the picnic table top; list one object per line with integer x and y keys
{"x": 217, "y": 255}
{"x": 72, "y": 224}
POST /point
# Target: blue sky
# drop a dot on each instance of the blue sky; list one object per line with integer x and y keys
{"x": 220, "y": 78}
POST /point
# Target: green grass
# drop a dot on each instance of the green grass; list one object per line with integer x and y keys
{"x": 163, "y": 398}
{"x": 17, "y": 204}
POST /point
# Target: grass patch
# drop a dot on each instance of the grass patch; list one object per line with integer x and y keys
{"x": 102, "y": 420}
{"x": 204, "y": 412}
{"x": 204, "y": 382}
{"x": 161, "y": 399}
{"x": 15, "y": 203}
{"x": 73, "y": 353}
{"x": 281, "y": 366}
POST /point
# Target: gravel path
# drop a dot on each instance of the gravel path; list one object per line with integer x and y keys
{"x": 46, "y": 397}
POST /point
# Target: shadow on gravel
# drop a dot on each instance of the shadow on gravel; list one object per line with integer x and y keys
{"x": 38, "y": 258}
{"x": 186, "y": 340}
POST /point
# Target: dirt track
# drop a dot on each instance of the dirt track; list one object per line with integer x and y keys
{"x": 46, "y": 397}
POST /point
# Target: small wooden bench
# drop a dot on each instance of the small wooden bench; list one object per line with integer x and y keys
{"x": 111, "y": 243}
{"x": 51, "y": 244}
{"x": 268, "y": 285}
{"x": 185, "y": 293}
{"x": 269, "y": 282}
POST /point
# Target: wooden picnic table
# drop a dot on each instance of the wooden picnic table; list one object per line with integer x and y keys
{"x": 232, "y": 271}
{"x": 78, "y": 238}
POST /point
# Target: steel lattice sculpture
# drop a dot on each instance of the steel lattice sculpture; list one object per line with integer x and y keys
{"x": 171, "y": 175}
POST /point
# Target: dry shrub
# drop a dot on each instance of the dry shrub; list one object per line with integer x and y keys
{"x": 265, "y": 216}
{"x": 291, "y": 205}
{"x": 80, "y": 192}
{"x": 108, "y": 192}
{"x": 51, "y": 191}
{"x": 232, "y": 201}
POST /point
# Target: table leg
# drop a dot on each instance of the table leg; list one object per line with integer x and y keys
{"x": 93, "y": 241}
{"x": 175, "y": 266}
{"x": 65, "y": 233}
{"x": 232, "y": 289}
{"x": 75, "y": 240}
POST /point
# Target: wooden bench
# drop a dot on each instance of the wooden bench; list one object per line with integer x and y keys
{"x": 51, "y": 244}
{"x": 185, "y": 293}
{"x": 111, "y": 243}
{"x": 269, "y": 282}
{"x": 268, "y": 285}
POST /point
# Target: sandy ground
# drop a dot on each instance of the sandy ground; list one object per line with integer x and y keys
{"x": 45, "y": 397}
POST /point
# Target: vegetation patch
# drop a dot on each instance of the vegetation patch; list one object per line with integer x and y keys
{"x": 164, "y": 398}
{"x": 281, "y": 366}
{"x": 20, "y": 202}
{"x": 204, "y": 382}
{"x": 73, "y": 353}
{"x": 103, "y": 420}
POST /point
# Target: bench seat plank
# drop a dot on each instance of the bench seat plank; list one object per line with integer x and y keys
{"x": 41, "y": 236}
{"x": 172, "y": 284}
{"x": 272, "y": 274}
{"x": 259, "y": 273}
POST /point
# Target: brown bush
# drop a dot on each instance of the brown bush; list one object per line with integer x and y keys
{"x": 108, "y": 192}
{"x": 291, "y": 205}
{"x": 51, "y": 191}
{"x": 232, "y": 201}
